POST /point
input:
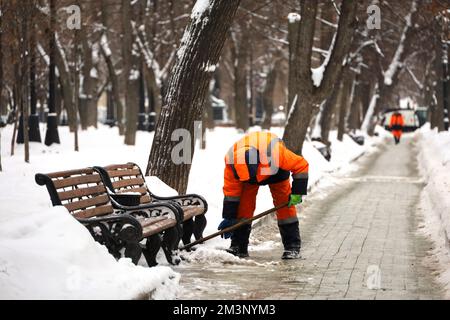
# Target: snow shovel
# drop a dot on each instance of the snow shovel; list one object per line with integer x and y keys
{"x": 234, "y": 227}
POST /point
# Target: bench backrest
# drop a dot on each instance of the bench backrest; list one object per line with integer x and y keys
{"x": 128, "y": 178}
{"x": 81, "y": 191}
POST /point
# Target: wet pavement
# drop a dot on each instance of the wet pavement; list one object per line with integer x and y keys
{"x": 360, "y": 241}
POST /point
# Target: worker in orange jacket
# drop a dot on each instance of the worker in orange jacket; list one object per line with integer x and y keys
{"x": 261, "y": 158}
{"x": 396, "y": 125}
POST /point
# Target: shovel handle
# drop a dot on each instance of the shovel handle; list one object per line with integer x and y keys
{"x": 235, "y": 226}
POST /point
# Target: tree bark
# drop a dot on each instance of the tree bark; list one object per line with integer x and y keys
{"x": 268, "y": 94}
{"x": 439, "y": 89}
{"x": 300, "y": 117}
{"x": 354, "y": 115}
{"x": 114, "y": 79}
{"x": 24, "y": 74}
{"x": 130, "y": 76}
{"x": 88, "y": 98}
{"x": 327, "y": 114}
{"x": 293, "y": 37}
{"x": 345, "y": 98}
{"x": 240, "y": 81}
{"x": 184, "y": 101}
{"x": 34, "y": 132}
{"x": 51, "y": 135}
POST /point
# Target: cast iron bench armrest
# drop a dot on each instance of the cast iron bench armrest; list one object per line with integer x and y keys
{"x": 175, "y": 208}
{"x": 182, "y": 198}
{"x": 112, "y": 218}
{"x": 134, "y": 233}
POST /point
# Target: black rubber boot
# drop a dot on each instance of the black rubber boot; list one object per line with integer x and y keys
{"x": 239, "y": 241}
{"x": 290, "y": 235}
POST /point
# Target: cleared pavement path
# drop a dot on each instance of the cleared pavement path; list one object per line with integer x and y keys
{"x": 360, "y": 241}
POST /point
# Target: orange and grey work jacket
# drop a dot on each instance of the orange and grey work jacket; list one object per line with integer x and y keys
{"x": 260, "y": 158}
{"x": 396, "y": 123}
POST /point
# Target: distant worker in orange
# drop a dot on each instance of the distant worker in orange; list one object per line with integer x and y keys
{"x": 396, "y": 125}
{"x": 261, "y": 158}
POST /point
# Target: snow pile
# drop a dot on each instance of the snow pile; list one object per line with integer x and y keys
{"x": 434, "y": 163}
{"x": 46, "y": 254}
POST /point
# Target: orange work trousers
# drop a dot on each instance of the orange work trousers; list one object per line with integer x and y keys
{"x": 280, "y": 194}
{"x": 397, "y": 133}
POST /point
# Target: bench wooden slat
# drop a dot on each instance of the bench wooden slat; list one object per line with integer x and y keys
{"x": 119, "y": 166}
{"x": 98, "y": 211}
{"x": 86, "y": 203}
{"x": 126, "y": 172}
{"x": 78, "y": 193}
{"x": 149, "y": 221}
{"x": 158, "y": 227}
{"x": 191, "y": 211}
{"x": 145, "y": 199}
{"x": 140, "y": 190}
{"x": 73, "y": 181}
{"x": 128, "y": 183}
{"x": 68, "y": 173}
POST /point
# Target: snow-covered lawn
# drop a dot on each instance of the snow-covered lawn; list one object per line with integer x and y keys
{"x": 45, "y": 253}
{"x": 434, "y": 164}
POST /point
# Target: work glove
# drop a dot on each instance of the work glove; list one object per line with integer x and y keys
{"x": 225, "y": 224}
{"x": 294, "y": 199}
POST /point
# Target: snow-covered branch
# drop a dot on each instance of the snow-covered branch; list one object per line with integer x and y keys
{"x": 413, "y": 76}
{"x": 396, "y": 62}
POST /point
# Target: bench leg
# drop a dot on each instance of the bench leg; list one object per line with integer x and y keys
{"x": 188, "y": 230}
{"x": 199, "y": 226}
{"x": 169, "y": 244}
{"x": 133, "y": 251}
{"x": 152, "y": 246}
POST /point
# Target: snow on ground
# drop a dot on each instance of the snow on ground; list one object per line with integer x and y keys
{"x": 434, "y": 164}
{"x": 44, "y": 253}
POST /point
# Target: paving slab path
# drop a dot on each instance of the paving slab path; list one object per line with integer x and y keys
{"x": 360, "y": 241}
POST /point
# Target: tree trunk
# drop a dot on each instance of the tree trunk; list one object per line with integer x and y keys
{"x": 34, "y": 132}
{"x": 293, "y": 36}
{"x": 51, "y": 135}
{"x": 345, "y": 98}
{"x": 208, "y": 117}
{"x": 76, "y": 81}
{"x": 439, "y": 92}
{"x": 354, "y": 115}
{"x": 327, "y": 114}
{"x": 141, "y": 117}
{"x": 310, "y": 94}
{"x": 300, "y": 117}
{"x": 154, "y": 95}
{"x": 88, "y": 98}
{"x": 130, "y": 76}
{"x": 184, "y": 101}
{"x": 268, "y": 92}
{"x": 24, "y": 76}
{"x": 114, "y": 79}
{"x": 240, "y": 82}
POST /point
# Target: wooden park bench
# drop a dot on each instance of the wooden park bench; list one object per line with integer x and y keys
{"x": 128, "y": 179}
{"x": 121, "y": 228}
